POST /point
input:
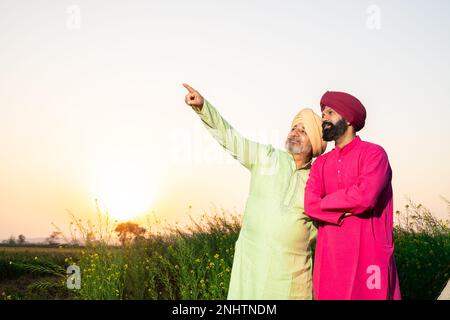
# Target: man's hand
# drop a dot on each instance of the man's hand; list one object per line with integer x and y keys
{"x": 347, "y": 214}
{"x": 193, "y": 98}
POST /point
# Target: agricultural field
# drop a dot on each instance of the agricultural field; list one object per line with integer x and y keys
{"x": 195, "y": 263}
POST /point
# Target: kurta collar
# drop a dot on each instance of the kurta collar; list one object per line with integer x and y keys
{"x": 294, "y": 165}
{"x": 349, "y": 147}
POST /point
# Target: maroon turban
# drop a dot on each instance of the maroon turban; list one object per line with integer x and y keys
{"x": 347, "y": 106}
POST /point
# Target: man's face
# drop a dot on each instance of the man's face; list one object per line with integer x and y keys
{"x": 333, "y": 124}
{"x": 298, "y": 141}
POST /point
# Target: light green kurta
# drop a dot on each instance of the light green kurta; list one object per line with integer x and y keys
{"x": 272, "y": 258}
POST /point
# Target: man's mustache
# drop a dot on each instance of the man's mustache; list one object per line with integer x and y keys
{"x": 326, "y": 123}
{"x": 294, "y": 140}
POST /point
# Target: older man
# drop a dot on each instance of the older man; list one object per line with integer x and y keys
{"x": 272, "y": 258}
{"x": 349, "y": 192}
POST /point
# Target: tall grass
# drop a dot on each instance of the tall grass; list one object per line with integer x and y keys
{"x": 179, "y": 263}
{"x": 34, "y": 272}
{"x": 422, "y": 252}
{"x": 194, "y": 262}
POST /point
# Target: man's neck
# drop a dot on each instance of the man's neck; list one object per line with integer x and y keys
{"x": 302, "y": 160}
{"x": 345, "y": 139}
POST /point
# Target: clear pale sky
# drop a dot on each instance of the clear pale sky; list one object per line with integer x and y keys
{"x": 92, "y": 106}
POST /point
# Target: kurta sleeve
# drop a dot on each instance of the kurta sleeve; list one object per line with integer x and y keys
{"x": 247, "y": 152}
{"x": 375, "y": 175}
{"x": 313, "y": 197}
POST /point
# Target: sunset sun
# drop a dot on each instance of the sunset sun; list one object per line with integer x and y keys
{"x": 125, "y": 190}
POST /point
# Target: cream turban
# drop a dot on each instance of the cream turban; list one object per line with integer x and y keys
{"x": 313, "y": 128}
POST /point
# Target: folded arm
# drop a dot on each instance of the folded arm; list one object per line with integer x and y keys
{"x": 314, "y": 194}
{"x": 364, "y": 194}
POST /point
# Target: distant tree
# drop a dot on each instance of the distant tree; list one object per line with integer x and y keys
{"x": 11, "y": 241}
{"x": 54, "y": 237}
{"x": 128, "y": 231}
{"x": 21, "y": 239}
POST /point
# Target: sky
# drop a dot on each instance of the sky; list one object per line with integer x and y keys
{"x": 92, "y": 103}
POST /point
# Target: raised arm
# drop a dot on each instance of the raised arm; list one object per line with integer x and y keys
{"x": 247, "y": 152}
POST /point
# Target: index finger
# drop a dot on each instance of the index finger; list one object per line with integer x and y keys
{"x": 189, "y": 88}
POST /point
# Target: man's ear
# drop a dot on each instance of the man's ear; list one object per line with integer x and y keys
{"x": 352, "y": 128}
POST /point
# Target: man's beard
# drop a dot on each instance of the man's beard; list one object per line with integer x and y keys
{"x": 296, "y": 148}
{"x": 335, "y": 131}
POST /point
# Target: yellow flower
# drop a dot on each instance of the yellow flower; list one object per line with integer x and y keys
{"x": 35, "y": 258}
{"x": 216, "y": 256}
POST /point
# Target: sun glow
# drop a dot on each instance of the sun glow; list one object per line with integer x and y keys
{"x": 126, "y": 190}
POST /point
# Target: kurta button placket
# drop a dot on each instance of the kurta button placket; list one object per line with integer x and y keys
{"x": 339, "y": 170}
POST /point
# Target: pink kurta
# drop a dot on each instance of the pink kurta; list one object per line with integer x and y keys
{"x": 354, "y": 256}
